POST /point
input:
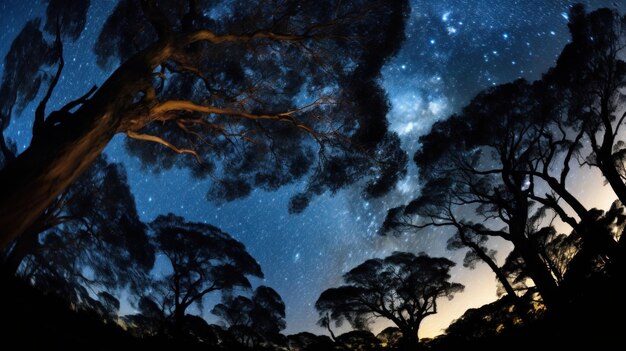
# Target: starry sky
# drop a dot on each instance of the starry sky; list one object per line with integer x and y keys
{"x": 454, "y": 48}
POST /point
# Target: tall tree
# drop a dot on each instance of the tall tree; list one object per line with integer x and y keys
{"x": 436, "y": 207}
{"x": 268, "y": 314}
{"x": 514, "y": 146}
{"x": 253, "y": 93}
{"x": 203, "y": 259}
{"x": 477, "y": 165}
{"x": 403, "y": 288}
{"x": 590, "y": 75}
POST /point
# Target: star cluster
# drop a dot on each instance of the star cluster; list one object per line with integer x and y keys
{"x": 453, "y": 49}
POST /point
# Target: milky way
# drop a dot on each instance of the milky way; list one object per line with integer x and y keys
{"x": 453, "y": 50}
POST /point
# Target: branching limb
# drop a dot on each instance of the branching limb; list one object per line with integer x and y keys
{"x": 207, "y": 35}
{"x": 60, "y": 116}
{"x": 185, "y": 105}
{"x": 156, "y": 139}
{"x": 81, "y": 100}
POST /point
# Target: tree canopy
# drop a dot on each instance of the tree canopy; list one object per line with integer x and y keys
{"x": 403, "y": 288}
{"x": 203, "y": 259}
{"x": 281, "y": 91}
{"x": 255, "y": 319}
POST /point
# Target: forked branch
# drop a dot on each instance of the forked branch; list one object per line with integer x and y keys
{"x": 158, "y": 140}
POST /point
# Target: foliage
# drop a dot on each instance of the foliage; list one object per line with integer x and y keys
{"x": 203, "y": 259}
{"x": 403, "y": 288}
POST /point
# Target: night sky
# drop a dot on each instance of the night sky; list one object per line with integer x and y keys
{"x": 453, "y": 50}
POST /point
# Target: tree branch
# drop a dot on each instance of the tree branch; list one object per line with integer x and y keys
{"x": 156, "y": 139}
{"x": 185, "y": 105}
{"x": 207, "y": 35}
{"x": 81, "y": 100}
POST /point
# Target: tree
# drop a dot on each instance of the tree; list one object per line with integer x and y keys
{"x": 90, "y": 237}
{"x": 475, "y": 165}
{"x": 254, "y": 94}
{"x": 263, "y": 315}
{"x": 268, "y": 313}
{"x": 306, "y": 341}
{"x": 513, "y": 147}
{"x": 590, "y": 75}
{"x": 203, "y": 259}
{"x": 403, "y": 288}
{"x": 436, "y": 207}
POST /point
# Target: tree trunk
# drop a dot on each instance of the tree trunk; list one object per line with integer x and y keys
{"x": 539, "y": 273}
{"x": 179, "y": 315}
{"x": 410, "y": 339}
{"x": 517, "y": 301}
{"x": 25, "y": 245}
{"x": 64, "y": 151}
{"x": 535, "y": 266}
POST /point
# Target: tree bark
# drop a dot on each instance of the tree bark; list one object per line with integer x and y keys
{"x": 63, "y": 152}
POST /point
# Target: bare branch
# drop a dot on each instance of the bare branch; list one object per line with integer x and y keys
{"x": 185, "y": 105}
{"x": 207, "y": 35}
{"x": 156, "y": 139}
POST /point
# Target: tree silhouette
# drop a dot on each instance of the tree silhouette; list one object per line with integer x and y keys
{"x": 257, "y": 96}
{"x": 589, "y": 74}
{"x": 436, "y": 207}
{"x": 306, "y": 341}
{"x": 268, "y": 313}
{"x": 261, "y": 317}
{"x": 402, "y": 288}
{"x": 203, "y": 259}
{"x": 513, "y": 148}
{"x": 476, "y": 165}
{"x": 90, "y": 237}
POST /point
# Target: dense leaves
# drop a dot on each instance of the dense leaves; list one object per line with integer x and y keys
{"x": 402, "y": 288}
{"x": 323, "y": 82}
{"x": 203, "y": 259}
{"x": 256, "y": 319}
